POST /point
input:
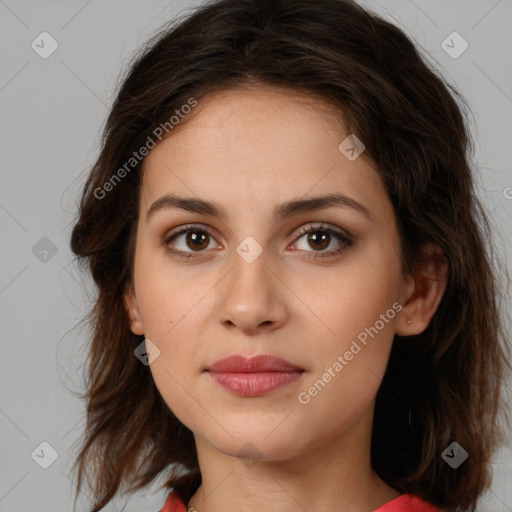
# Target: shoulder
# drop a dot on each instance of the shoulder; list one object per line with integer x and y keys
{"x": 173, "y": 504}
{"x": 410, "y": 503}
{"x": 404, "y": 502}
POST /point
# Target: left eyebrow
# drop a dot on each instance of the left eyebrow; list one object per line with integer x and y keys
{"x": 280, "y": 212}
{"x": 296, "y": 206}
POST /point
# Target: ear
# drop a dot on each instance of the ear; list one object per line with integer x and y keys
{"x": 422, "y": 292}
{"x": 132, "y": 309}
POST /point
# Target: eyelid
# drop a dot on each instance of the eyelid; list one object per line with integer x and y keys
{"x": 189, "y": 227}
{"x": 344, "y": 238}
{"x": 319, "y": 226}
{"x": 303, "y": 229}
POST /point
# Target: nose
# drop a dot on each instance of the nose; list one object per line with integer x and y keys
{"x": 252, "y": 297}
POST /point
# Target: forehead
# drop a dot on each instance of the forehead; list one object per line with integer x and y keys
{"x": 251, "y": 115}
{"x": 258, "y": 146}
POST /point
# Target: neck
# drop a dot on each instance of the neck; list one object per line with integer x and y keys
{"x": 333, "y": 476}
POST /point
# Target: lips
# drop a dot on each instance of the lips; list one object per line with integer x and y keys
{"x": 255, "y": 376}
{"x": 256, "y": 364}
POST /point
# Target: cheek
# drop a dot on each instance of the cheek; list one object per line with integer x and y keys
{"x": 171, "y": 323}
{"x": 169, "y": 301}
{"x": 349, "y": 369}
{"x": 356, "y": 307}
{"x": 348, "y": 297}
{"x": 167, "y": 293}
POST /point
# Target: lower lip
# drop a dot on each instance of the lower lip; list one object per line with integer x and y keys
{"x": 255, "y": 384}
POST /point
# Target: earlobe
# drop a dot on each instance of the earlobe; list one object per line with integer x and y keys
{"x": 132, "y": 310}
{"x": 424, "y": 292}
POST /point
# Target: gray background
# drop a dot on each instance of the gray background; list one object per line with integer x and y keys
{"x": 51, "y": 113}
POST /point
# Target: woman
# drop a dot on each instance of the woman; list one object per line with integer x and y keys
{"x": 297, "y": 308}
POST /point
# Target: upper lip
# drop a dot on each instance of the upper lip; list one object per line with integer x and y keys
{"x": 261, "y": 363}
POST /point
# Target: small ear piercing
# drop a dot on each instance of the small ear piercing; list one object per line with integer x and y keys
{"x": 408, "y": 321}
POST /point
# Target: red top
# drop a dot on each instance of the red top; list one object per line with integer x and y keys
{"x": 404, "y": 503}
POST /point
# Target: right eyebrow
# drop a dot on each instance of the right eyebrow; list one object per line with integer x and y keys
{"x": 188, "y": 204}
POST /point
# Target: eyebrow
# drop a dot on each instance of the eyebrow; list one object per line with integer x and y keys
{"x": 280, "y": 212}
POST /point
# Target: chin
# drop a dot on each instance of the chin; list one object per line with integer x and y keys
{"x": 255, "y": 444}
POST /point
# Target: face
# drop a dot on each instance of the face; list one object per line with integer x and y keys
{"x": 315, "y": 283}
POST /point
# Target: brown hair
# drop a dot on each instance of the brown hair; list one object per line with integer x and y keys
{"x": 442, "y": 385}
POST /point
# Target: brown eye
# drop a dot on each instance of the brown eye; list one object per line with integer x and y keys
{"x": 316, "y": 239}
{"x": 319, "y": 239}
{"x": 189, "y": 240}
{"x": 197, "y": 240}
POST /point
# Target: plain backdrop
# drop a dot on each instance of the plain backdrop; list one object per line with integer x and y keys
{"x": 52, "y": 111}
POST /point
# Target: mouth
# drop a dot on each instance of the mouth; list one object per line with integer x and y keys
{"x": 255, "y": 376}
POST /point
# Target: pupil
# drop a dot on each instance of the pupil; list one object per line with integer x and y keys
{"x": 317, "y": 240}
{"x": 197, "y": 241}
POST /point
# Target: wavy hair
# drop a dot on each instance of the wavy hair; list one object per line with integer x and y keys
{"x": 442, "y": 385}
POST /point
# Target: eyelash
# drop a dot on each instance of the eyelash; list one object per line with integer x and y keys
{"x": 345, "y": 241}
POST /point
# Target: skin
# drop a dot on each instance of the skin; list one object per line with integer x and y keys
{"x": 250, "y": 150}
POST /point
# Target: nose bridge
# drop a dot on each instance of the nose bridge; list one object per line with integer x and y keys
{"x": 250, "y": 266}
{"x": 250, "y": 296}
